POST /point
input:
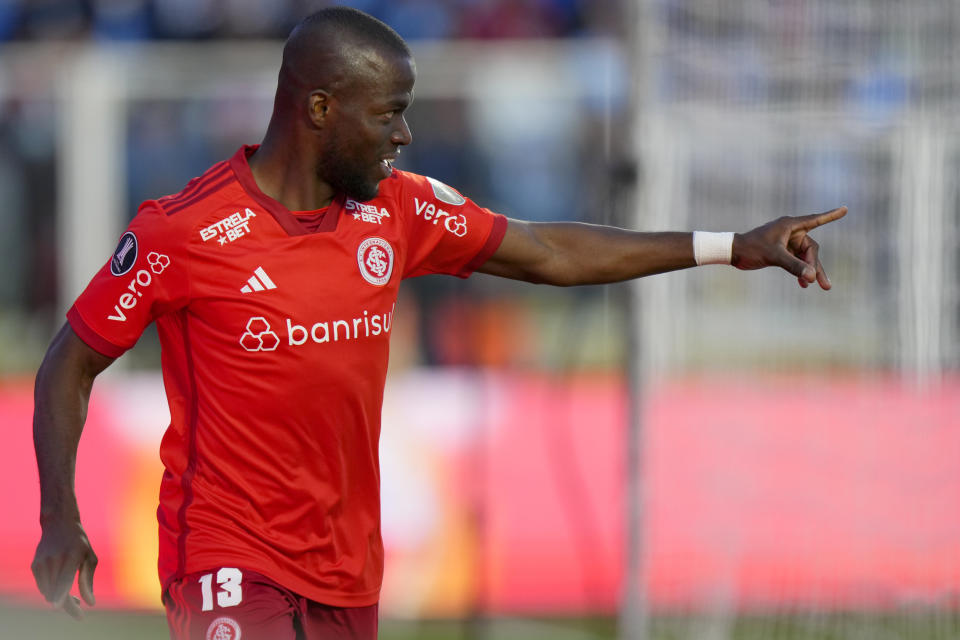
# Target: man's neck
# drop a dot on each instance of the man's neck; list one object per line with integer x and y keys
{"x": 285, "y": 173}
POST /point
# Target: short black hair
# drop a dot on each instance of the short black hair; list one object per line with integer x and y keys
{"x": 362, "y": 27}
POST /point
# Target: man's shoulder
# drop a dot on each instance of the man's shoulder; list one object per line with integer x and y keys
{"x": 198, "y": 194}
{"x": 205, "y": 199}
{"x": 414, "y": 185}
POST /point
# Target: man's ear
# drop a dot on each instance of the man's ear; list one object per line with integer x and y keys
{"x": 318, "y": 106}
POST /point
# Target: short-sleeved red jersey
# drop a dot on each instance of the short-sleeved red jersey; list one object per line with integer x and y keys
{"x": 274, "y": 356}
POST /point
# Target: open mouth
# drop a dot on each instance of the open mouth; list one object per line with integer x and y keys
{"x": 386, "y": 166}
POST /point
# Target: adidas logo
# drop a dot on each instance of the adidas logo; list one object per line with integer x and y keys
{"x": 259, "y": 281}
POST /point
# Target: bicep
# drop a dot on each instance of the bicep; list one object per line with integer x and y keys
{"x": 70, "y": 355}
{"x": 522, "y": 254}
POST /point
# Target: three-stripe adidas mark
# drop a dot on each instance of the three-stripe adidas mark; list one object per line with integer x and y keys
{"x": 258, "y": 282}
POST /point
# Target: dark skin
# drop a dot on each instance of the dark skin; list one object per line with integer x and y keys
{"x": 335, "y": 127}
{"x": 61, "y": 395}
{"x": 338, "y": 122}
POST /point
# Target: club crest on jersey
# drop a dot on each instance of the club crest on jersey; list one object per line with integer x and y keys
{"x": 223, "y": 628}
{"x": 366, "y": 212}
{"x": 125, "y": 256}
{"x": 375, "y": 259}
{"x": 445, "y": 193}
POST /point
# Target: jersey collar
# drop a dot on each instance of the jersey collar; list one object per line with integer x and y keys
{"x": 280, "y": 213}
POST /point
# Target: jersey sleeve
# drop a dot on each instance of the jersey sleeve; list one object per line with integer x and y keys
{"x": 146, "y": 277}
{"x": 446, "y": 232}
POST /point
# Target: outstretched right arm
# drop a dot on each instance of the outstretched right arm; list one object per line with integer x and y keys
{"x": 61, "y": 394}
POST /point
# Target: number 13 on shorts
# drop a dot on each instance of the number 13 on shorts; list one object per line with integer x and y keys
{"x": 230, "y": 593}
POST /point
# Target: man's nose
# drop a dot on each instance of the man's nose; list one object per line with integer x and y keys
{"x": 402, "y": 136}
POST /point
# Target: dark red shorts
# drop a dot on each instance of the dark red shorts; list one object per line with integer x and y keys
{"x": 236, "y": 604}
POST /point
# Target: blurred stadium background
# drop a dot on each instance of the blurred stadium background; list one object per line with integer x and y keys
{"x": 706, "y": 454}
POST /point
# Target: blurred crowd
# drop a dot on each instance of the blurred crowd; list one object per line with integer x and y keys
{"x": 502, "y": 143}
{"x": 201, "y": 19}
{"x": 474, "y": 146}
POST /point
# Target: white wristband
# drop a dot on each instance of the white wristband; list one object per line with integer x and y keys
{"x": 712, "y": 248}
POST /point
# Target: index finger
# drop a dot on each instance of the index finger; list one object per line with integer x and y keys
{"x": 815, "y": 220}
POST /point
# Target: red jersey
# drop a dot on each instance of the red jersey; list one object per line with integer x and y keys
{"x": 274, "y": 356}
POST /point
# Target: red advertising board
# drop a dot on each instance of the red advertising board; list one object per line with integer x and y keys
{"x": 505, "y": 492}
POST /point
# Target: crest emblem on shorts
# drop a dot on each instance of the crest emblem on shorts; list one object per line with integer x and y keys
{"x": 223, "y": 628}
{"x": 375, "y": 259}
{"x": 125, "y": 255}
{"x": 445, "y": 193}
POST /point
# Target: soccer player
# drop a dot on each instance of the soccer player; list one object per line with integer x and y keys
{"x": 272, "y": 279}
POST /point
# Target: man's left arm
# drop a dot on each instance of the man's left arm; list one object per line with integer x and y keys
{"x": 567, "y": 254}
